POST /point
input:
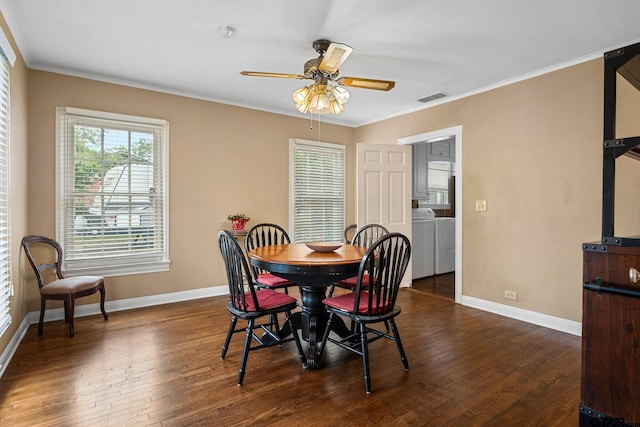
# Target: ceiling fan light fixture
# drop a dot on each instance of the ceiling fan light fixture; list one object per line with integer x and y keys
{"x": 320, "y": 98}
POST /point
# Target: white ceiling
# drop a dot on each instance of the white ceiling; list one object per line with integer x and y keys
{"x": 425, "y": 46}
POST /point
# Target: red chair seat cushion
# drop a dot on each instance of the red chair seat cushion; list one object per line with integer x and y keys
{"x": 346, "y": 302}
{"x": 352, "y": 282}
{"x": 271, "y": 281}
{"x": 71, "y": 285}
{"x": 267, "y": 300}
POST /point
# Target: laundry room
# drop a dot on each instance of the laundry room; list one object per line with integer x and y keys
{"x": 433, "y": 216}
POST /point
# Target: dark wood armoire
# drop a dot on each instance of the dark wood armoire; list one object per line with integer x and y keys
{"x": 610, "y": 389}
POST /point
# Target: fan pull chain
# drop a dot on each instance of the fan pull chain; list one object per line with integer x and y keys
{"x": 311, "y": 123}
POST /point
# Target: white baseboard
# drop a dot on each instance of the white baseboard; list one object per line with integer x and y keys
{"x": 11, "y": 348}
{"x": 551, "y": 322}
{"x": 110, "y": 306}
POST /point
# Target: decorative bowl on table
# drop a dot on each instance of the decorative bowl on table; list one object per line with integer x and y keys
{"x": 324, "y": 246}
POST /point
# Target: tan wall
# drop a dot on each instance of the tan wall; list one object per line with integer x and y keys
{"x": 627, "y": 179}
{"x": 18, "y": 181}
{"x": 222, "y": 160}
{"x": 533, "y": 151}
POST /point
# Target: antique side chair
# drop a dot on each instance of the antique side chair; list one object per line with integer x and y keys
{"x": 62, "y": 288}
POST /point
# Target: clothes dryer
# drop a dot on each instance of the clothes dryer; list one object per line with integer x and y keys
{"x": 445, "y": 245}
{"x": 423, "y": 243}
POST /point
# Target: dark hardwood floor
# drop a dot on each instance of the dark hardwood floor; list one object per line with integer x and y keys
{"x": 441, "y": 285}
{"x": 161, "y": 366}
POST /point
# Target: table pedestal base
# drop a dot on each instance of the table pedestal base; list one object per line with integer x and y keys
{"x": 312, "y": 321}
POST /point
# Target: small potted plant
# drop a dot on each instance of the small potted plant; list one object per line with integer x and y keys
{"x": 238, "y": 220}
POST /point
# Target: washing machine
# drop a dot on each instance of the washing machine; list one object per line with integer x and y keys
{"x": 423, "y": 242}
{"x": 445, "y": 245}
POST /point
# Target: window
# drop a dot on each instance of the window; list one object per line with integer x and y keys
{"x": 5, "y": 241}
{"x": 440, "y": 183}
{"x": 317, "y": 201}
{"x": 112, "y": 200}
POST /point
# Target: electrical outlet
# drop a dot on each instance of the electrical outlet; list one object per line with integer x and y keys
{"x": 511, "y": 295}
{"x": 481, "y": 205}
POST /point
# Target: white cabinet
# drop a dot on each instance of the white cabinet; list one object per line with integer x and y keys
{"x": 439, "y": 149}
{"x": 442, "y": 151}
{"x": 423, "y": 248}
{"x": 420, "y": 171}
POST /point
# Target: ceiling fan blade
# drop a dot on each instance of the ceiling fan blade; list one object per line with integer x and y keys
{"x": 333, "y": 58}
{"x": 280, "y": 75}
{"x": 366, "y": 83}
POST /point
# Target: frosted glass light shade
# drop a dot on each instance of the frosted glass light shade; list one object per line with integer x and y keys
{"x": 320, "y": 99}
{"x": 303, "y": 107}
{"x": 340, "y": 94}
{"x": 335, "y": 107}
{"x": 319, "y": 103}
{"x": 301, "y": 94}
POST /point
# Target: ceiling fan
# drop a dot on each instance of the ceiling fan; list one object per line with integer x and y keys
{"x": 322, "y": 97}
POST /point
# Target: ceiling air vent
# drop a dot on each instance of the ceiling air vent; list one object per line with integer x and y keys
{"x": 433, "y": 97}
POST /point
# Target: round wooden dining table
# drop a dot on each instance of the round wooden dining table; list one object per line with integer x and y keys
{"x": 312, "y": 271}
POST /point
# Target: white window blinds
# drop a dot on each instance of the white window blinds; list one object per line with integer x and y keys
{"x": 112, "y": 192}
{"x": 317, "y": 191}
{"x": 5, "y": 259}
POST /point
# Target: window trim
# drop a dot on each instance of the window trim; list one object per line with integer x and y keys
{"x": 138, "y": 264}
{"x": 6, "y": 287}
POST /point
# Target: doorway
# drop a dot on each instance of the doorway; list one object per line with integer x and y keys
{"x": 439, "y": 285}
{"x": 440, "y": 281}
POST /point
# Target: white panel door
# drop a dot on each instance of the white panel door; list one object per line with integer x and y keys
{"x": 384, "y": 189}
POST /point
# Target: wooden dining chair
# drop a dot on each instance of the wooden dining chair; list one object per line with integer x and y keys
{"x": 266, "y": 234}
{"x": 62, "y": 288}
{"x": 364, "y": 237}
{"x": 251, "y": 304}
{"x": 374, "y": 300}
{"x": 349, "y": 232}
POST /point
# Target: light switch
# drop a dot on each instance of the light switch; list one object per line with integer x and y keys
{"x": 481, "y": 205}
